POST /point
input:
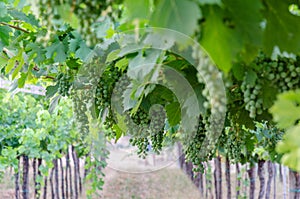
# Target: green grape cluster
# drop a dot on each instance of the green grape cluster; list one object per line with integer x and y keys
{"x": 192, "y": 150}
{"x": 282, "y": 73}
{"x": 121, "y": 86}
{"x": 156, "y": 128}
{"x": 253, "y": 103}
{"x": 142, "y": 143}
{"x": 215, "y": 94}
{"x": 232, "y": 147}
{"x": 103, "y": 97}
{"x": 64, "y": 84}
{"x": 138, "y": 128}
{"x": 87, "y": 11}
{"x": 285, "y": 73}
{"x": 105, "y": 87}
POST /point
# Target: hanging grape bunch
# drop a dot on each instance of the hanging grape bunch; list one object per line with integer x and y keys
{"x": 156, "y": 128}
{"x": 282, "y": 74}
{"x": 105, "y": 87}
{"x": 194, "y": 147}
{"x": 64, "y": 84}
{"x": 138, "y": 128}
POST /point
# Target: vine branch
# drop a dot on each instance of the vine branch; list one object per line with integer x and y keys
{"x": 14, "y": 27}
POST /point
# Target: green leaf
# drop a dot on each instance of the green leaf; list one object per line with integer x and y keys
{"x": 30, "y": 18}
{"x": 67, "y": 15}
{"x": 179, "y": 15}
{"x": 122, "y": 64}
{"x": 83, "y": 52}
{"x": 51, "y": 90}
{"x": 173, "y": 113}
{"x": 112, "y": 56}
{"x": 75, "y": 42}
{"x": 54, "y": 103}
{"x": 22, "y": 80}
{"x": 286, "y": 110}
{"x": 251, "y": 77}
{"x": 101, "y": 27}
{"x": 4, "y": 34}
{"x": 268, "y": 92}
{"x": 247, "y": 19}
{"x": 3, "y": 9}
{"x": 290, "y": 147}
{"x": 138, "y": 9}
{"x": 57, "y": 51}
{"x": 210, "y": 2}
{"x": 36, "y": 51}
{"x": 238, "y": 71}
{"x": 3, "y": 60}
{"x": 20, "y": 64}
{"x": 221, "y": 42}
{"x": 282, "y": 28}
{"x": 142, "y": 64}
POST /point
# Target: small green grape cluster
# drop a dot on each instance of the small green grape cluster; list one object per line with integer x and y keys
{"x": 253, "y": 103}
{"x": 142, "y": 143}
{"x": 192, "y": 150}
{"x": 282, "y": 74}
{"x": 87, "y": 11}
{"x": 215, "y": 94}
{"x": 121, "y": 86}
{"x": 105, "y": 88}
{"x": 157, "y": 124}
{"x": 138, "y": 127}
{"x": 233, "y": 147}
{"x": 64, "y": 84}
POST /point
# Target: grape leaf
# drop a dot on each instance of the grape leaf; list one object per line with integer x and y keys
{"x": 51, "y": 90}
{"x": 22, "y": 80}
{"x": 101, "y": 27}
{"x": 30, "y": 18}
{"x": 56, "y": 50}
{"x": 36, "y": 51}
{"x": 83, "y": 52}
{"x": 173, "y": 113}
{"x": 291, "y": 148}
{"x": 67, "y": 15}
{"x": 4, "y": 34}
{"x": 54, "y": 103}
{"x": 282, "y": 28}
{"x": 210, "y": 2}
{"x": 247, "y": 18}
{"x": 180, "y": 15}
{"x": 251, "y": 77}
{"x": 221, "y": 42}
{"x": 138, "y": 9}
{"x": 3, "y": 9}
{"x": 267, "y": 94}
{"x": 286, "y": 109}
{"x": 142, "y": 64}
{"x": 238, "y": 71}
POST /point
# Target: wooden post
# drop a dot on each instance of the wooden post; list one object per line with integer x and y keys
{"x": 294, "y": 185}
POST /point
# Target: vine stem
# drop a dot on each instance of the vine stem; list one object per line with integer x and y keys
{"x": 251, "y": 175}
{"x": 271, "y": 175}
{"x": 25, "y": 186}
{"x": 261, "y": 175}
{"x": 238, "y": 180}
{"x": 62, "y": 179}
{"x": 14, "y": 27}
{"x": 17, "y": 176}
{"x": 227, "y": 175}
